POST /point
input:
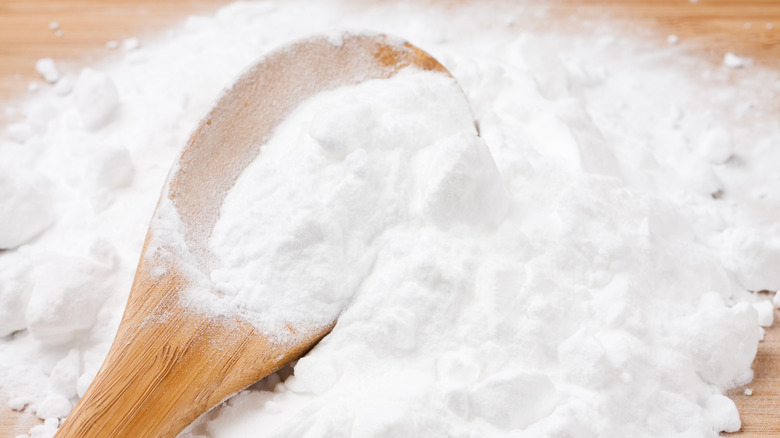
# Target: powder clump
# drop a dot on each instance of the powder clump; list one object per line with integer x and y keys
{"x": 26, "y": 207}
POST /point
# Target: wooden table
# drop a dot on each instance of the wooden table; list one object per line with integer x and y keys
{"x": 708, "y": 28}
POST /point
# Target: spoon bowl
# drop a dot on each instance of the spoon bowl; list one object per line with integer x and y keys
{"x": 171, "y": 361}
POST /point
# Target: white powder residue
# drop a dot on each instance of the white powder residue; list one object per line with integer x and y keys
{"x": 589, "y": 265}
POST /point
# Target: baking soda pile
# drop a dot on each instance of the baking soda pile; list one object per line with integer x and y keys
{"x": 586, "y": 266}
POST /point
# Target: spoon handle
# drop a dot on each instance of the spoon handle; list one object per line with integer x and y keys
{"x": 169, "y": 365}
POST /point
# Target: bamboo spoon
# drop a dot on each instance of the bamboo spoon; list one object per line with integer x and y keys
{"x": 170, "y": 363}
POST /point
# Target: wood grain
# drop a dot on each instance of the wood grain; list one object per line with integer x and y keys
{"x": 707, "y": 28}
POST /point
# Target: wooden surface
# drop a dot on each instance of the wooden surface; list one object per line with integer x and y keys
{"x": 707, "y": 28}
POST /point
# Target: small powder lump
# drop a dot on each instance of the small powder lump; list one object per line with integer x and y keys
{"x": 47, "y": 69}
{"x": 574, "y": 249}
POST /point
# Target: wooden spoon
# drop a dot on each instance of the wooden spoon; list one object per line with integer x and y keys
{"x": 169, "y": 362}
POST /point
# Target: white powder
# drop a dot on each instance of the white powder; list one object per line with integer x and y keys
{"x": 131, "y": 44}
{"x": 297, "y": 234}
{"x": 582, "y": 268}
{"x": 96, "y": 98}
{"x": 25, "y": 207}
